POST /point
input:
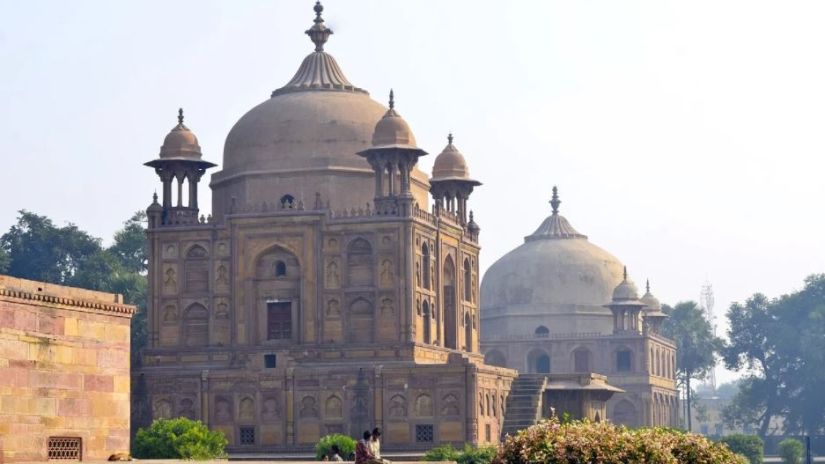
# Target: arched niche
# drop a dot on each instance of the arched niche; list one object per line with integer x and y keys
{"x": 360, "y": 263}
{"x": 277, "y": 282}
{"x": 196, "y": 325}
{"x": 538, "y": 361}
{"x": 196, "y": 270}
{"x": 451, "y": 320}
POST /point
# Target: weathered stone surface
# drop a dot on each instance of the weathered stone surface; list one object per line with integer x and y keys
{"x": 64, "y": 370}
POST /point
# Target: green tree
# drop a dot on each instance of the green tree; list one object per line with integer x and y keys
{"x": 696, "y": 346}
{"x": 779, "y": 345}
{"x": 35, "y": 248}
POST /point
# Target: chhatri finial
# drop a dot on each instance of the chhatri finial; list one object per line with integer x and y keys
{"x": 155, "y": 197}
{"x": 555, "y": 202}
{"x": 647, "y": 285}
{"x": 392, "y": 99}
{"x": 450, "y": 138}
{"x": 319, "y": 33}
{"x": 471, "y": 216}
{"x": 625, "y": 273}
{"x": 180, "y": 116}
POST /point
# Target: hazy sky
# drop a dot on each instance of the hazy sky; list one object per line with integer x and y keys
{"x": 686, "y": 138}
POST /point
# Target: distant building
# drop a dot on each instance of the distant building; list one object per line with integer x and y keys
{"x": 559, "y": 304}
{"x": 64, "y": 372}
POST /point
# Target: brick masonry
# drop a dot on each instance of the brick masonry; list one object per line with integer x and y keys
{"x": 64, "y": 369}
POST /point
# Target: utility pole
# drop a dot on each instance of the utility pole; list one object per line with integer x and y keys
{"x": 706, "y": 301}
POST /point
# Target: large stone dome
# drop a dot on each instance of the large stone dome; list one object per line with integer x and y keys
{"x": 304, "y": 140}
{"x": 556, "y": 279}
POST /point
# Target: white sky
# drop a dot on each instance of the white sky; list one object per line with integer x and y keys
{"x": 685, "y": 137}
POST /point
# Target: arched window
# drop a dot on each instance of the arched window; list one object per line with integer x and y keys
{"x": 287, "y": 202}
{"x": 196, "y": 326}
{"x": 425, "y": 266}
{"x": 624, "y": 361}
{"x": 468, "y": 281}
{"x": 451, "y": 315}
{"x": 538, "y": 362}
{"x": 196, "y": 269}
{"x": 359, "y": 263}
{"x": 581, "y": 360}
{"x": 280, "y": 268}
{"x": 468, "y": 332}
{"x": 542, "y": 332}
{"x": 495, "y": 358}
{"x": 361, "y": 320}
{"x": 425, "y": 308}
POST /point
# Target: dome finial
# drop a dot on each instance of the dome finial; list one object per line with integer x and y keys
{"x": 647, "y": 285}
{"x": 450, "y": 138}
{"x": 392, "y": 99}
{"x": 625, "y": 273}
{"x": 180, "y": 116}
{"x": 155, "y": 197}
{"x": 319, "y": 33}
{"x": 555, "y": 202}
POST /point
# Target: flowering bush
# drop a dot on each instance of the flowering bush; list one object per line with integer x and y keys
{"x": 583, "y": 442}
{"x": 179, "y": 438}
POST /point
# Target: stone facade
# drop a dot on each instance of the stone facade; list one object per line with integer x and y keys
{"x": 324, "y": 295}
{"x": 64, "y": 371}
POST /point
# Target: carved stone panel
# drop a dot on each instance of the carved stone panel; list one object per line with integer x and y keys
{"x": 169, "y": 250}
{"x": 170, "y": 279}
{"x": 332, "y": 273}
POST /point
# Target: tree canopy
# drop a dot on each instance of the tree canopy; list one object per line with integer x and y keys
{"x": 37, "y": 249}
{"x": 696, "y": 346}
{"x": 780, "y": 346}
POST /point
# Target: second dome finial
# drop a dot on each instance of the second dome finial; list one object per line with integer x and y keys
{"x": 555, "y": 202}
{"x": 180, "y": 116}
{"x": 392, "y": 100}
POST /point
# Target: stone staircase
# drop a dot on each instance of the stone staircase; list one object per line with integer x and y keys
{"x": 524, "y": 403}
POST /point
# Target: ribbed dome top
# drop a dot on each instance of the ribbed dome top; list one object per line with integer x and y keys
{"x": 556, "y": 226}
{"x": 392, "y": 130}
{"x": 450, "y": 164}
{"x": 318, "y": 71}
{"x": 556, "y": 278}
{"x": 180, "y": 142}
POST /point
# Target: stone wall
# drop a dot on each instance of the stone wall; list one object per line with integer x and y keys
{"x": 64, "y": 370}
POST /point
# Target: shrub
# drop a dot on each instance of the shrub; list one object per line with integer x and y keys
{"x": 179, "y": 438}
{"x": 553, "y": 442}
{"x": 749, "y": 446}
{"x": 791, "y": 451}
{"x": 324, "y": 446}
{"x": 468, "y": 455}
{"x": 480, "y": 455}
{"x": 442, "y": 453}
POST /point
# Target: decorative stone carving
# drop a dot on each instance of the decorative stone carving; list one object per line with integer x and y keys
{"x": 398, "y": 406}
{"x": 170, "y": 251}
{"x": 333, "y": 409}
{"x": 186, "y": 408}
{"x": 246, "y": 409}
{"x": 424, "y": 405}
{"x": 333, "y": 309}
{"x": 162, "y": 409}
{"x": 221, "y": 249}
{"x": 387, "y": 276}
{"x": 223, "y": 411}
{"x": 309, "y": 408}
{"x": 332, "y": 244}
{"x": 170, "y": 280}
{"x": 222, "y": 278}
{"x": 221, "y": 310}
{"x": 333, "y": 274}
{"x": 170, "y": 313}
{"x": 449, "y": 405}
{"x": 270, "y": 411}
{"x": 386, "y": 306}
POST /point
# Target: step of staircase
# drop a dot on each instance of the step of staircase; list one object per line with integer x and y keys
{"x": 524, "y": 403}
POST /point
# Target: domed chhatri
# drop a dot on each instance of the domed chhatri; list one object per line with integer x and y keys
{"x": 392, "y": 130}
{"x": 626, "y": 292}
{"x": 556, "y": 278}
{"x": 180, "y": 142}
{"x": 450, "y": 164}
{"x": 651, "y": 302}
